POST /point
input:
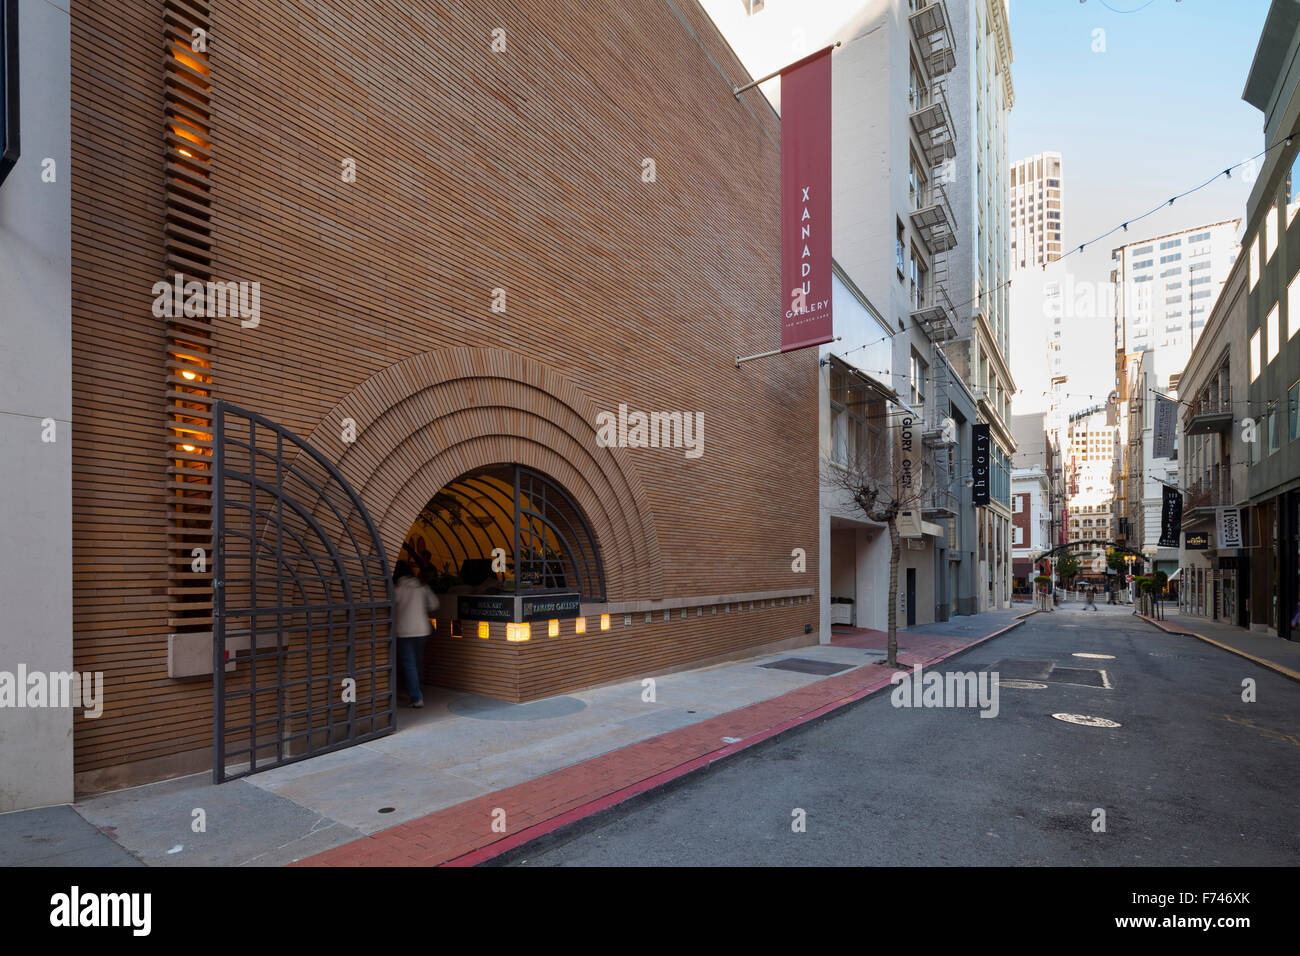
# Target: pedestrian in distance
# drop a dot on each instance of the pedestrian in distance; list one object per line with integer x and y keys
{"x": 1090, "y": 598}
{"x": 415, "y": 603}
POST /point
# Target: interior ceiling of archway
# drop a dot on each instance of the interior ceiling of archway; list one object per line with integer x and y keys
{"x": 425, "y": 421}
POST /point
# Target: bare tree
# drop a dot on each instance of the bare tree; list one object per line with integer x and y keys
{"x": 883, "y": 487}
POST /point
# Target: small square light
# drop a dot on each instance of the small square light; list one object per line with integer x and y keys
{"x": 483, "y": 629}
{"x": 580, "y": 625}
{"x": 552, "y": 628}
{"x": 604, "y": 622}
{"x": 518, "y": 633}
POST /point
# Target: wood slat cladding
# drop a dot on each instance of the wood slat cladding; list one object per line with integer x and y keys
{"x": 188, "y": 250}
{"x": 476, "y": 170}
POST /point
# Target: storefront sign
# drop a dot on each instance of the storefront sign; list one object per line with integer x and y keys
{"x": 980, "y": 467}
{"x": 806, "y": 202}
{"x": 907, "y": 456}
{"x": 550, "y": 607}
{"x": 1171, "y": 517}
{"x": 1198, "y": 541}
{"x": 485, "y": 607}
{"x": 1229, "y": 527}
{"x": 1162, "y": 446}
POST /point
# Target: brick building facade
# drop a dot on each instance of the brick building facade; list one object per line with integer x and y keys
{"x": 474, "y": 228}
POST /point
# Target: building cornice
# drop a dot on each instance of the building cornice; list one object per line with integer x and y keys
{"x": 1002, "y": 39}
{"x": 1004, "y": 372}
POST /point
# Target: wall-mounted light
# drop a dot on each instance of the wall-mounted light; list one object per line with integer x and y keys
{"x": 552, "y": 628}
{"x": 483, "y": 629}
{"x": 187, "y": 448}
{"x": 518, "y": 633}
{"x": 604, "y": 622}
{"x": 188, "y": 374}
{"x": 580, "y": 625}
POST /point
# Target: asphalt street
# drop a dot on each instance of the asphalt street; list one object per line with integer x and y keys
{"x": 1193, "y": 775}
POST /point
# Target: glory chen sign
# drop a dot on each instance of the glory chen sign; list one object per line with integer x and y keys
{"x": 806, "y": 202}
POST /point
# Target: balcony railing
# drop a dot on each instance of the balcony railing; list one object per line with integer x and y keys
{"x": 940, "y": 502}
{"x": 933, "y": 124}
{"x": 936, "y": 223}
{"x": 1211, "y": 411}
{"x": 1213, "y": 489}
{"x": 933, "y": 35}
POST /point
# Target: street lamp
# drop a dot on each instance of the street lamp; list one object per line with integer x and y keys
{"x": 1128, "y": 578}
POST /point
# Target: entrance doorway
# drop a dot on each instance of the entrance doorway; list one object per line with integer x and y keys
{"x": 911, "y": 597}
{"x": 492, "y": 544}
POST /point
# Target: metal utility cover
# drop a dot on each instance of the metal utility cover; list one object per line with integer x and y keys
{"x": 1079, "y": 675}
{"x": 803, "y": 665}
{"x": 1022, "y": 669}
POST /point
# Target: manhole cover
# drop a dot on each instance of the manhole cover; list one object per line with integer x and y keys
{"x": 1080, "y": 675}
{"x": 1087, "y": 720}
{"x": 1022, "y": 684}
{"x": 802, "y": 665}
{"x": 1099, "y": 657}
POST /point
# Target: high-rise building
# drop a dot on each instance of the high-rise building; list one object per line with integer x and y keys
{"x": 1036, "y": 210}
{"x": 981, "y": 95}
{"x": 1164, "y": 289}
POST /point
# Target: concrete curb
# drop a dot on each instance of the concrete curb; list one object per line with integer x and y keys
{"x": 1262, "y": 662}
{"x": 587, "y": 812}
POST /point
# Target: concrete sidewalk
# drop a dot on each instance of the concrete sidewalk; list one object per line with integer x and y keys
{"x": 431, "y": 792}
{"x": 1275, "y": 653}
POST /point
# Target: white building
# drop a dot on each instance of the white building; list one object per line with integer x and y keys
{"x": 896, "y": 232}
{"x": 1036, "y": 209}
{"x": 1093, "y": 445}
{"x": 1146, "y": 475}
{"x": 981, "y": 95}
{"x": 1164, "y": 289}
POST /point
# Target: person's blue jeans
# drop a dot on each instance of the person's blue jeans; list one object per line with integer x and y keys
{"x": 410, "y": 661}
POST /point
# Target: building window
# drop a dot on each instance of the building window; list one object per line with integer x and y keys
{"x": 1293, "y": 306}
{"x": 1293, "y": 412}
{"x": 1254, "y": 262}
{"x": 1293, "y": 189}
{"x": 1270, "y": 426}
{"x": 752, "y": 6}
{"x": 900, "y": 252}
{"x": 917, "y": 379}
{"x": 1270, "y": 234}
{"x": 1273, "y": 329}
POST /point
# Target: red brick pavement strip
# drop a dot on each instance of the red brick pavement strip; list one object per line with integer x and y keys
{"x": 462, "y": 835}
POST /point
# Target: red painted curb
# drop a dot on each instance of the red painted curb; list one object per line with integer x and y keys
{"x": 527, "y": 835}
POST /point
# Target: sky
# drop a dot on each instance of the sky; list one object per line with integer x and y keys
{"x": 1153, "y": 110}
{"x": 1146, "y": 108}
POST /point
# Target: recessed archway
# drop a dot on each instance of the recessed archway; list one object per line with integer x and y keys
{"x": 416, "y": 427}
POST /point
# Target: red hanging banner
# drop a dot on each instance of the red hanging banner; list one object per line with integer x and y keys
{"x": 806, "y": 202}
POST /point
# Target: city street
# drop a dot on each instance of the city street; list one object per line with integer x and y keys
{"x": 1192, "y": 776}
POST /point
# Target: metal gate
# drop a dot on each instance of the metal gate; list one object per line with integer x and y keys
{"x": 303, "y": 652}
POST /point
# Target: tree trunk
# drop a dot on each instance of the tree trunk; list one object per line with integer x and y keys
{"x": 892, "y": 660}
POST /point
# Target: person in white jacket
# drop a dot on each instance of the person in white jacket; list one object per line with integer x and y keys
{"x": 414, "y": 603}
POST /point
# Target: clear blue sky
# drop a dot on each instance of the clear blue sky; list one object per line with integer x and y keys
{"x": 1157, "y": 112}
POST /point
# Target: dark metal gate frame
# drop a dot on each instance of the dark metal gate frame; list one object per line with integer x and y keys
{"x": 367, "y": 601}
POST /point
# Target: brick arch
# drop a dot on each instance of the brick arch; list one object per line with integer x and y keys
{"x": 424, "y": 422}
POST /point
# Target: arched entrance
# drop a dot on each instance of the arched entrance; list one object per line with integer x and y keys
{"x": 505, "y": 529}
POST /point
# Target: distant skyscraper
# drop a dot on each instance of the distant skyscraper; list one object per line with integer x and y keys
{"x": 1036, "y": 210}
{"x": 1164, "y": 289}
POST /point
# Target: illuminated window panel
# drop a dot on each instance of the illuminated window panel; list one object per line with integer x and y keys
{"x": 518, "y": 633}
{"x": 604, "y": 622}
{"x": 552, "y": 628}
{"x": 483, "y": 629}
{"x": 580, "y": 625}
